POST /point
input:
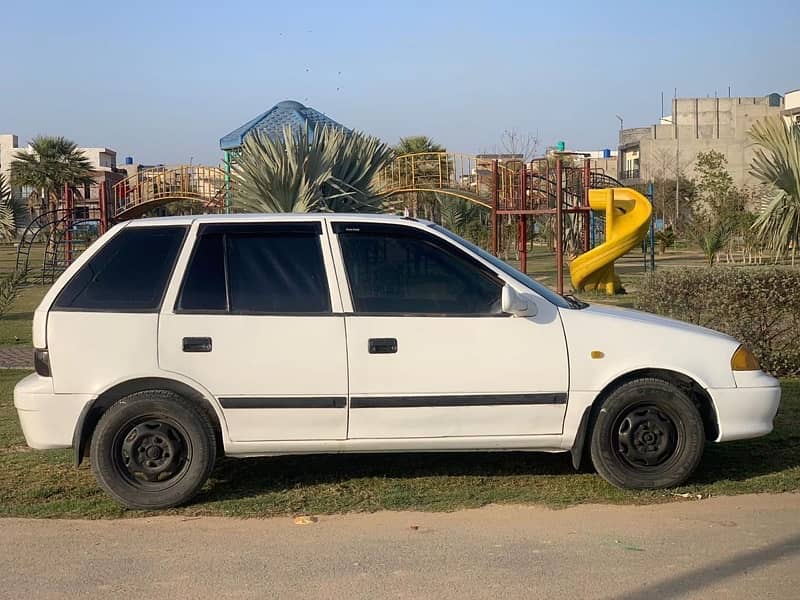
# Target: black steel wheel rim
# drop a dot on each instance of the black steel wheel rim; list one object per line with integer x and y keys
{"x": 152, "y": 452}
{"x": 646, "y": 436}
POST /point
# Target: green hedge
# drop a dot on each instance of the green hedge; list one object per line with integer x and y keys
{"x": 759, "y": 306}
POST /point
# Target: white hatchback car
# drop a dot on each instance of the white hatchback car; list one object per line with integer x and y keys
{"x": 172, "y": 340}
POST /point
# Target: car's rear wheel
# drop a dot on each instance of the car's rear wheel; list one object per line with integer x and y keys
{"x": 647, "y": 434}
{"x": 153, "y": 449}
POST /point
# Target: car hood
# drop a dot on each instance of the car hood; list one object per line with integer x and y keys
{"x": 638, "y": 317}
{"x": 629, "y": 340}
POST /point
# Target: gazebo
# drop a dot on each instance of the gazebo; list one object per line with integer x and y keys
{"x": 272, "y": 122}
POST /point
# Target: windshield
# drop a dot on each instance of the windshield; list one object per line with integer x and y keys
{"x": 544, "y": 291}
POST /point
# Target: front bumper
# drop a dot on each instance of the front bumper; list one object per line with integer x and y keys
{"x": 747, "y": 411}
{"x": 48, "y": 419}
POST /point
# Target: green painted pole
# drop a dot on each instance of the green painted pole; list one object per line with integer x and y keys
{"x": 227, "y": 182}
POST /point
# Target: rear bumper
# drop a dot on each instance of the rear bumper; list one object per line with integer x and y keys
{"x": 48, "y": 419}
{"x": 747, "y": 411}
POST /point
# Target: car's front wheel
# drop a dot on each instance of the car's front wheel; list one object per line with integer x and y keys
{"x": 647, "y": 434}
{"x": 153, "y": 450}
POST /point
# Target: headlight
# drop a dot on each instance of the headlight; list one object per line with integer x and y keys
{"x": 743, "y": 360}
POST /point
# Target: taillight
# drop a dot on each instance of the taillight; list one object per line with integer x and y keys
{"x": 41, "y": 362}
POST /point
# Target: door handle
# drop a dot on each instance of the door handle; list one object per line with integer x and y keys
{"x": 382, "y": 345}
{"x": 197, "y": 344}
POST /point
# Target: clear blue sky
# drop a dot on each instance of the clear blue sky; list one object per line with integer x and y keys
{"x": 163, "y": 81}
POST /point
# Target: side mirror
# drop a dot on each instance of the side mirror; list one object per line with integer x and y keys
{"x": 516, "y": 304}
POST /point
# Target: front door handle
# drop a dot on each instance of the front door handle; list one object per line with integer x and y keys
{"x": 383, "y": 346}
{"x": 197, "y": 344}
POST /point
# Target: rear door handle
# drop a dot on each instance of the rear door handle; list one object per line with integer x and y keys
{"x": 197, "y": 344}
{"x": 383, "y": 345}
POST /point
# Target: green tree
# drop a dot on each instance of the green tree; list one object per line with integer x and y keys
{"x": 52, "y": 163}
{"x": 9, "y": 212}
{"x": 665, "y": 238}
{"x": 715, "y": 187}
{"x": 777, "y": 165}
{"x": 427, "y": 170}
{"x": 664, "y": 198}
{"x": 712, "y": 237}
{"x": 719, "y": 211}
{"x": 327, "y": 170}
{"x": 467, "y": 219}
{"x": 417, "y": 144}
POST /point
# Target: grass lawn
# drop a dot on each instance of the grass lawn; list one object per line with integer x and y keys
{"x": 15, "y": 325}
{"x": 45, "y": 484}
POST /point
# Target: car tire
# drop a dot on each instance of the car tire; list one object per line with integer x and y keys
{"x": 647, "y": 434}
{"x": 153, "y": 449}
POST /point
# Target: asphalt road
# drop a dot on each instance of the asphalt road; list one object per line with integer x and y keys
{"x": 735, "y": 547}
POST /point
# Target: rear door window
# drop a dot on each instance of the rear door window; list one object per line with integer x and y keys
{"x": 267, "y": 268}
{"x": 128, "y": 274}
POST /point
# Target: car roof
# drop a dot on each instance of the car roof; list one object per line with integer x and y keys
{"x": 261, "y": 217}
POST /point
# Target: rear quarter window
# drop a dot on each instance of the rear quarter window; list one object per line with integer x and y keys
{"x": 128, "y": 274}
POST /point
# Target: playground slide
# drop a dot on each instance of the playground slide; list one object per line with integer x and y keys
{"x": 627, "y": 215}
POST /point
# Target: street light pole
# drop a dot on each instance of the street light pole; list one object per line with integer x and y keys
{"x": 677, "y": 164}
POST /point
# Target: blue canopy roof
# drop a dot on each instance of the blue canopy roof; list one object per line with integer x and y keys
{"x": 273, "y": 121}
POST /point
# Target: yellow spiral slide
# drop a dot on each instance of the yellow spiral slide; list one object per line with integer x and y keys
{"x": 627, "y": 215}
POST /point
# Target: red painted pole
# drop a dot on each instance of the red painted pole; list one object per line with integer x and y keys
{"x": 523, "y": 243}
{"x": 587, "y": 182}
{"x": 559, "y": 229}
{"x": 103, "y": 207}
{"x": 495, "y": 200}
{"x": 523, "y": 220}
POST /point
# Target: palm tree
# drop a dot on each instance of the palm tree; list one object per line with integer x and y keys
{"x": 8, "y": 212}
{"x": 712, "y": 235}
{"x": 427, "y": 168}
{"x": 417, "y": 144}
{"x": 52, "y": 163}
{"x": 777, "y": 164}
{"x": 325, "y": 170}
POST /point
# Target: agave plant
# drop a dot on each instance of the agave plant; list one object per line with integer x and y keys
{"x": 777, "y": 165}
{"x": 307, "y": 171}
{"x": 358, "y": 159}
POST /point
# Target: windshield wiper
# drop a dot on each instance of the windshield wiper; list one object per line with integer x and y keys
{"x": 574, "y": 301}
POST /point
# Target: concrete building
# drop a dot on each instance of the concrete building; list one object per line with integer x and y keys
{"x": 791, "y": 107}
{"x": 103, "y": 160}
{"x": 695, "y": 125}
{"x": 104, "y": 170}
{"x": 9, "y": 149}
{"x": 605, "y": 161}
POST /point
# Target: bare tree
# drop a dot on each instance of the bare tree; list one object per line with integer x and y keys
{"x": 514, "y": 142}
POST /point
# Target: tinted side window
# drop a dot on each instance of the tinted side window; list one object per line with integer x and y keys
{"x": 256, "y": 272}
{"x": 204, "y": 282}
{"x": 405, "y": 272}
{"x": 129, "y": 273}
{"x": 276, "y": 274}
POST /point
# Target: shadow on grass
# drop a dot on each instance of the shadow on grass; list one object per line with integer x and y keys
{"x": 241, "y": 478}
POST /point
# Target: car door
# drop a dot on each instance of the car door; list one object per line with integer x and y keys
{"x": 430, "y": 354}
{"x": 253, "y": 321}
